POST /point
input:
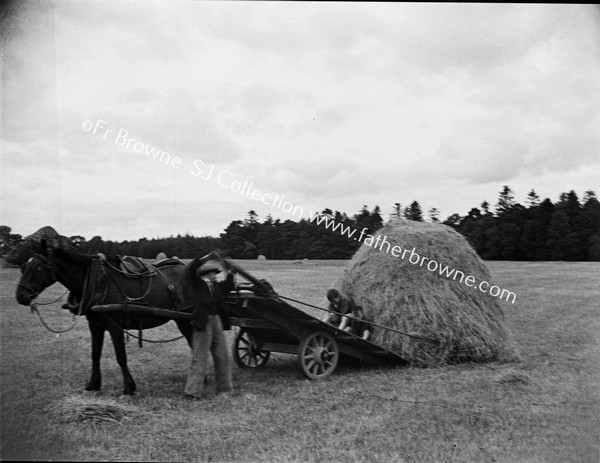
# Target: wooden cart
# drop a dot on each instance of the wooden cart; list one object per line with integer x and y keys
{"x": 268, "y": 323}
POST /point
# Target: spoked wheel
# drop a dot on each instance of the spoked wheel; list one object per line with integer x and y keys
{"x": 318, "y": 355}
{"x": 246, "y": 352}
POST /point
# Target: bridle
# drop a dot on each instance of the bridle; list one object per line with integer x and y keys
{"x": 45, "y": 263}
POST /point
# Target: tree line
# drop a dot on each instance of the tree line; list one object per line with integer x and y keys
{"x": 540, "y": 230}
{"x": 567, "y": 230}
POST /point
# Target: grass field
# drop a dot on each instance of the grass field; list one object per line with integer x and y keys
{"x": 543, "y": 408}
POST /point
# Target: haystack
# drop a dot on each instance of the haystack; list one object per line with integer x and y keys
{"x": 451, "y": 322}
{"x": 28, "y": 247}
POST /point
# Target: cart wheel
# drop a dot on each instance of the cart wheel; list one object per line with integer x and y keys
{"x": 318, "y": 355}
{"x": 246, "y": 353}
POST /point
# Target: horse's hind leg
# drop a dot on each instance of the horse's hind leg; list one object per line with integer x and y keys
{"x": 97, "y": 332}
{"x": 186, "y": 329}
{"x": 118, "y": 339}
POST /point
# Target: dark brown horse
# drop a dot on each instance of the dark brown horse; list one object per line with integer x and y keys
{"x": 94, "y": 281}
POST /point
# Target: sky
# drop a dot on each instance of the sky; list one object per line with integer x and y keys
{"x": 145, "y": 119}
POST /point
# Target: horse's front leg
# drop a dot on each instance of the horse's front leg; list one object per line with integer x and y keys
{"x": 97, "y": 333}
{"x": 118, "y": 339}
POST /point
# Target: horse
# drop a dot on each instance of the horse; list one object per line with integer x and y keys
{"x": 96, "y": 281}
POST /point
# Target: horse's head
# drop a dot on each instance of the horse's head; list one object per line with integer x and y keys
{"x": 36, "y": 275}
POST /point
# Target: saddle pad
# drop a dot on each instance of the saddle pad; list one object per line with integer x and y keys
{"x": 167, "y": 261}
{"x": 134, "y": 265}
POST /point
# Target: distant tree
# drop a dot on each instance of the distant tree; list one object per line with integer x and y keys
{"x": 434, "y": 215}
{"x": 252, "y": 217}
{"x": 579, "y": 229}
{"x": 588, "y": 196}
{"x": 376, "y": 221}
{"x": 533, "y": 199}
{"x": 474, "y": 214}
{"x": 8, "y": 240}
{"x": 327, "y": 213}
{"x": 509, "y": 237}
{"x": 594, "y": 248}
{"x": 414, "y": 212}
{"x": 562, "y": 241}
{"x": 235, "y": 240}
{"x": 591, "y": 211}
{"x": 485, "y": 206}
{"x": 396, "y": 212}
{"x": 493, "y": 242}
{"x": 453, "y": 221}
{"x": 506, "y": 201}
{"x": 266, "y": 238}
{"x": 363, "y": 219}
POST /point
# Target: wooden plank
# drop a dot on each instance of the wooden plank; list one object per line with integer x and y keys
{"x": 172, "y": 314}
{"x": 279, "y": 347}
{"x": 253, "y": 323}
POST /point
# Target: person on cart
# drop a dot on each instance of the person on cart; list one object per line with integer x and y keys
{"x": 359, "y": 324}
{"x": 209, "y": 321}
{"x": 340, "y": 307}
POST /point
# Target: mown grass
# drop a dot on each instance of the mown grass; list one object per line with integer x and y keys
{"x": 544, "y": 408}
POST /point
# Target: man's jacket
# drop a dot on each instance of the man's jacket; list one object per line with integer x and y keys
{"x": 207, "y": 303}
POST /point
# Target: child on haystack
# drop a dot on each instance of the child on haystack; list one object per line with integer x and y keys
{"x": 340, "y": 306}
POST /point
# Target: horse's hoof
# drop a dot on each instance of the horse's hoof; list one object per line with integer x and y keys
{"x": 92, "y": 387}
{"x": 129, "y": 390}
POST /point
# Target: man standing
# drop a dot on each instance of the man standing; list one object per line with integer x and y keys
{"x": 208, "y": 319}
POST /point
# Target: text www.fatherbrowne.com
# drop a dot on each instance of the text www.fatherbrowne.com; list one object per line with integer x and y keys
{"x": 380, "y": 242}
{"x": 227, "y": 180}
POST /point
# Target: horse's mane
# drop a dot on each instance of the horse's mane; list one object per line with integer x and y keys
{"x": 77, "y": 257}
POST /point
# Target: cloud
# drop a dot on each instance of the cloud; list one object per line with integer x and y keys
{"x": 28, "y": 85}
{"x": 536, "y": 114}
{"x": 332, "y": 105}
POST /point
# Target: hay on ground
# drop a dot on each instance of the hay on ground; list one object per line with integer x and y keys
{"x": 90, "y": 409}
{"x": 463, "y": 323}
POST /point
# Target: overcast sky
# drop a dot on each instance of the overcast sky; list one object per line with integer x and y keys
{"x": 334, "y": 105}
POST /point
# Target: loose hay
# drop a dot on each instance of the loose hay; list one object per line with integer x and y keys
{"x": 463, "y": 323}
{"x": 513, "y": 377}
{"x": 89, "y": 409}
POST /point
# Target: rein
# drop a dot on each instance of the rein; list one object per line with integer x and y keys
{"x": 34, "y": 309}
{"x": 387, "y": 328}
{"x": 34, "y": 306}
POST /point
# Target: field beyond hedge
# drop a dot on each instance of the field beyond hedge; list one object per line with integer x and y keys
{"x": 544, "y": 408}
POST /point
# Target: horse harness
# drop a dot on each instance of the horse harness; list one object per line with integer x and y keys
{"x": 95, "y": 287}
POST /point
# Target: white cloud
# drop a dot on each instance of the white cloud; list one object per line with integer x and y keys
{"x": 332, "y": 105}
